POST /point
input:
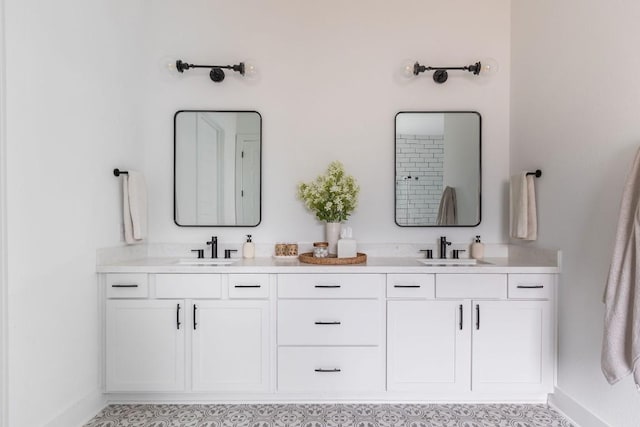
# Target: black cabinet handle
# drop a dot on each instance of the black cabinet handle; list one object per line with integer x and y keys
{"x": 246, "y": 286}
{"x": 328, "y": 370}
{"x": 178, "y": 317}
{"x": 460, "y": 316}
{"x": 124, "y": 286}
{"x": 530, "y": 286}
{"x": 328, "y": 323}
{"x": 477, "y": 316}
{"x": 327, "y": 286}
{"x": 406, "y": 286}
{"x": 195, "y": 323}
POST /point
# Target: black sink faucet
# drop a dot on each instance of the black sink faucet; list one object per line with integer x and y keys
{"x": 214, "y": 246}
{"x": 443, "y": 247}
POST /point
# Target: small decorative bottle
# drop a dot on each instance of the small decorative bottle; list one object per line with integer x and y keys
{"x": 249, "y": 248}
{"x": 477, "y": 249}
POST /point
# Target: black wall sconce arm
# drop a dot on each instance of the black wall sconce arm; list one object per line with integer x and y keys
{"x": 217, "y": 71}
{"x": 440, "y": 75}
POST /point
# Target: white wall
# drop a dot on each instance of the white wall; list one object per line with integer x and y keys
{"x": 575, "y": 104}
{"x": 72, "y": 116}
{"x": 329, "y": 90}
{"x": 4, "y": 369}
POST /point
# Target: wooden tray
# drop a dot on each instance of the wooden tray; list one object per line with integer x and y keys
{"x": 308, "y": 258}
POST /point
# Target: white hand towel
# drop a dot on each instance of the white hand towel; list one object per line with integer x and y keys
{"x": 621, "y": 341}
{"x": 134, "y": 204}
{"x": 523, "y": 218}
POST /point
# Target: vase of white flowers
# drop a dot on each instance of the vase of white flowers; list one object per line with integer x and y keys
{"x": 332, "y": 197}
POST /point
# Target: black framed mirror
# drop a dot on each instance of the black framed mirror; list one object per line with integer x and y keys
{"x": 217, "y": 168}
{"x": 438, "y": 168}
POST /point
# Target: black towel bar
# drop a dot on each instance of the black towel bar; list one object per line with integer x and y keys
{"x": 537, "y": 173}
{"x": 118, "y": 172}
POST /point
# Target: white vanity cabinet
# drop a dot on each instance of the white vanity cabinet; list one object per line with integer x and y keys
{"x": 512, "y": 342}
{"x": 428, "y": 345}
{"x": 391, "y": 330}
{"x": 330, "y": 333}
{"x": 477, "y": 333}
{"x": 188, "y": 332}
{"x": 145, "y": 345}
{"x": 230, "y": 346}
{"x": 428, "y": 350}
{"x": 514, "y": 338}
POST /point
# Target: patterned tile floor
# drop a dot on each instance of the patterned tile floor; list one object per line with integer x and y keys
{"x": 325, "y": 415}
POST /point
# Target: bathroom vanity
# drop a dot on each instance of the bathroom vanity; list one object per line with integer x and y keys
{"x": 390, "y": 330}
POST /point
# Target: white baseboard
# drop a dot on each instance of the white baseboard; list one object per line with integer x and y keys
{"x": 577, "y": 413}
{"x": 80, "y": 412}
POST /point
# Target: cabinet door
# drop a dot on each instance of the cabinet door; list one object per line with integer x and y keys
{"x": 428, "y": 346}
{"x": 145, "y": 345}
{"x": 512, "y": 346}
{"x": 230, "y": 345}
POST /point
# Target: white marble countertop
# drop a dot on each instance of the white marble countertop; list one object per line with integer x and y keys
{"x": 510, "y": 264}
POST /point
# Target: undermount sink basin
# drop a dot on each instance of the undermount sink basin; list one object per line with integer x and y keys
{"x": 207, "y": 261}
{"x": 448, "y": 261}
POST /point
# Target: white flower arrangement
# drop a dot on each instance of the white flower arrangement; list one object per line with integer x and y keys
{"x": 331, "y": 197}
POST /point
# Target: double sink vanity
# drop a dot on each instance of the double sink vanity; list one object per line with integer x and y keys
{"x": 391, "y": 329}
{"x": 396, "y": 328}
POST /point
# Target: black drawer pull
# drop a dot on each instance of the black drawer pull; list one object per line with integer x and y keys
{"x": 460, "y": 316}
{"x": 529, "y": 286}
{"x": 328, "y": 323}
{"x": 178, "y": 317}
{"x": 124, "y": 286}
{"x": 328, "y": 370}
{"x": 406, "y": 286}
{"x": 195, "y": 323}
{"x": 327, "y": 286}
{"x": 246, "y": 286}
{"x": 477, "y": 316}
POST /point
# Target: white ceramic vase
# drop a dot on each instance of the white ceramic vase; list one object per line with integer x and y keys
{"x": 332, "y": 234}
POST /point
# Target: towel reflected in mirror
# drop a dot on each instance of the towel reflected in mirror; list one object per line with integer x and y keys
{"x": 448, "y": 210}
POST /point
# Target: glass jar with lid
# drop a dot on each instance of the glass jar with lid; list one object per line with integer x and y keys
{"x": 321, "y": 249}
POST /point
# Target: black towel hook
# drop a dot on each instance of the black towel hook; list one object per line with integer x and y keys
{"x": 118, "y": 172}
{"x": 537, "y": 173}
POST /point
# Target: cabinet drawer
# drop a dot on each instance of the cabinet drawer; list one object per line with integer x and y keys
{"x": 342, "y": 322}
{"x": 188, "y": 286}
{"x": 330, "y": 285}
{"x": 411, "y": 286}
{"x": 254, "y": 286}
{"x": 478, "y": 286}
{"x": 531, "y": 286}
{"x": 127, "y": 285}
{"x": 331, "y": 369}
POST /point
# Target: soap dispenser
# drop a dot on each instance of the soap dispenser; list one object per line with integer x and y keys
{"x": 249, "y": 248}
{"x": 476, "y": 251}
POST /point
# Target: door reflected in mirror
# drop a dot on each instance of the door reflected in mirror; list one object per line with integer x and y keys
{"x": 437, "y": 169}
{"x": 217, "y": 168}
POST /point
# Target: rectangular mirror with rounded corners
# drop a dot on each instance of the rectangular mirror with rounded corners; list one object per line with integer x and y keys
{"x": 217, "y": 168}
{"x": 437, "y": 168}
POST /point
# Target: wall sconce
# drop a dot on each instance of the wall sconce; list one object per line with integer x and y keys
{"x": 216, "y": 74}
{"x": 484, "y": 67}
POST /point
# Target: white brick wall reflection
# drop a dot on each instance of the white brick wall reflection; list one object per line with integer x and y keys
{"x": 419, "y": 176}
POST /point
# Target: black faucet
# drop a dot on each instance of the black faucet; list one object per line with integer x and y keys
{"x": 214, "y": 246}
{"x": 443, "y": 247}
